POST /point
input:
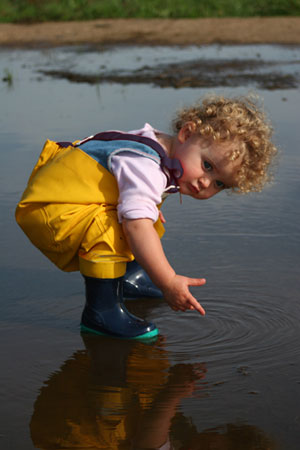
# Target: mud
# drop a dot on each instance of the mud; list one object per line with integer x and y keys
{"x": 255, "y": 30}
{"x": 197, "y": 73}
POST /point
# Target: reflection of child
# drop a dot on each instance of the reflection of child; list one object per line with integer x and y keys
{"x": 92, "y": 205}
{"x": 120, "y": 394}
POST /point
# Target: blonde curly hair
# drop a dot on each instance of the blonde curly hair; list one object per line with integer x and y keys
{"x": 241, "y": 121}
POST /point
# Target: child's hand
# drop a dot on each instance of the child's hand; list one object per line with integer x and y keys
{"x": 146, "y": 247}
{"x": 178, "y": 296}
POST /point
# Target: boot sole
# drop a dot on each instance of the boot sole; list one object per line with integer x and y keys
{"x": 148, "y": 335}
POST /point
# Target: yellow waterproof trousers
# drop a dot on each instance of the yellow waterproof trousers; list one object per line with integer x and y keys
{"x": 69, "y": 212}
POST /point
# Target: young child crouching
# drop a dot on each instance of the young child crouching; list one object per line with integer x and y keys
{"x": 93, "y": 205}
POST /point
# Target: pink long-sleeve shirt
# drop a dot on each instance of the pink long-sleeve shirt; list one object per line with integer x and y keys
{"x": 141, "y": 182}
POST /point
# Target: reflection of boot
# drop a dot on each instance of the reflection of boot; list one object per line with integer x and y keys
{"x": 137, "y": 283}
{"x": 105, "y": 312}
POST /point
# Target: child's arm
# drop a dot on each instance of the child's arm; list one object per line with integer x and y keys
{"x": 146, "y": 247}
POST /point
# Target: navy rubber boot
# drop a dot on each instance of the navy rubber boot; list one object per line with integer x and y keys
{"x": 105, "y": 313}
{"x": 137, "y": 283}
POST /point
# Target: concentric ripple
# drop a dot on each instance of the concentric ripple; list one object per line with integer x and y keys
{"x": 252, "y": 331}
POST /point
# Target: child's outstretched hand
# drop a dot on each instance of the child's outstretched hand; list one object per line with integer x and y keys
{"x": 178, "y": 295}
{"x": 146, "y": 246}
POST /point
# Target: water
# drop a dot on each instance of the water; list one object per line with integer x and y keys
{"x": 230, "y": 380}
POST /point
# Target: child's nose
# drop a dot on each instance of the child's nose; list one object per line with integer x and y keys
{"x": 205, "y": 181}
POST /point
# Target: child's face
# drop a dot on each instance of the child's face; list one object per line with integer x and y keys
{"x": 206, "y": 167}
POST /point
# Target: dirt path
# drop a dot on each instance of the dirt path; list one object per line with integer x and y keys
{"x": 280, "y": 30}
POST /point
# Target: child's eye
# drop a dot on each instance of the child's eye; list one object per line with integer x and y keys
{"x": 220, "y": 184}
{"x": 207, "y": 166}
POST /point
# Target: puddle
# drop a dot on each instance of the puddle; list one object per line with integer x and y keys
{"x": 229, "y": 380}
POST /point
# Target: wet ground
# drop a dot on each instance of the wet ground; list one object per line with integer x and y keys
{"x": 230, "y": 380}
{"x": 228, "y": 70}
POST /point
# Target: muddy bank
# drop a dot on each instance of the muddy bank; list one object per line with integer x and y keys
{"x": 276, "y": 30}
{"x": 196, "y": 73}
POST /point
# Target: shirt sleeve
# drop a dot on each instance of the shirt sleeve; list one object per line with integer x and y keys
{"x": 141, "y": 184}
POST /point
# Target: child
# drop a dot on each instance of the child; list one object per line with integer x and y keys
{"x": 92, "y": 205}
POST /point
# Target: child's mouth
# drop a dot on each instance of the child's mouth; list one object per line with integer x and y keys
{"x": 194, "y": 189}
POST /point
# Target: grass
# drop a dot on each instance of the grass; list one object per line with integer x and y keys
{"x": 30, "y": 11}
{"x": 8, "y": 77}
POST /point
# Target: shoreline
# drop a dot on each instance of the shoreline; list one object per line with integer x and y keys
{"x": 181, "y": 32}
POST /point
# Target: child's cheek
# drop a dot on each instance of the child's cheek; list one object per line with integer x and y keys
{"x": 183, "y": 168}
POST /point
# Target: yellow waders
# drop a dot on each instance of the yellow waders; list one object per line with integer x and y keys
{"x": 69, "y": 212}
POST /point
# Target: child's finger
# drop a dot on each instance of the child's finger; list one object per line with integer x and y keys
{"x": 196, "y": 305}
{"x": 196, "y": 281}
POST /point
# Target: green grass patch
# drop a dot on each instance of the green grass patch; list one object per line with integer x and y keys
{"x": 8, "y": 77}
{"x": 45, "y": 10}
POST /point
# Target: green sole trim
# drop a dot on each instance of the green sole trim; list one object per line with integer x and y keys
{"x": 148, "y": 335}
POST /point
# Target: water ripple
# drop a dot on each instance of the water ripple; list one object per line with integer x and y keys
{"x": 257, "y": 331}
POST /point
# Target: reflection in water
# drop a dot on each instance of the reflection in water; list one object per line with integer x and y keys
{"x": 95, "y": 399}
{"x": 125, "y": 395}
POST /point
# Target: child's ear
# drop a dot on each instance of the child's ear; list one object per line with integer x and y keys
{"x": 186, "y": 131}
